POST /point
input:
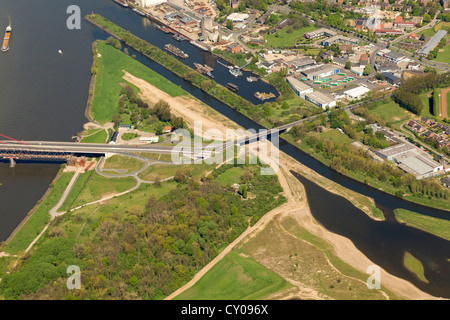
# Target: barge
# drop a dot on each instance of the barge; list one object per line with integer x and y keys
{"x": 232, "y": 87}
{"x": 176, "y": 51}
{"x": 5, "y": 45}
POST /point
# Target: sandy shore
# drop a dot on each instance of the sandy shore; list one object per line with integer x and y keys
{"x": 297, "y": 206}
{"x": 187, "y": 107}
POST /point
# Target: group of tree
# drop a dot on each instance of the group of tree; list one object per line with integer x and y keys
{"x": 139, "y": 111}
{"x": 145, "y": 252}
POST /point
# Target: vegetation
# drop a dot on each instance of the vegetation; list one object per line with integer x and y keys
{"x": 359, "y": 164}
{"x": 235, "y": 278}
{"x": 436, "y": 226}
{"x": 415, "y": 266}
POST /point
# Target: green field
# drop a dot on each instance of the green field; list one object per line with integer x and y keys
{"x": 436, "y": 226}
{"x": 98, "y": 136}
{"x": 444, "y": 56}
{"x": 235, "y": 278}
{"x": 118, "y": 162}
{"x": 391, "y": 112}
{"x": 111, "y": 64}
{"x": 415, "y": 266}
{"x": 283, "y": 39}
{"x": 230, "y": 176}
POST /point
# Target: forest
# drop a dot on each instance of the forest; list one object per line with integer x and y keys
{"x": 148, "y": 254}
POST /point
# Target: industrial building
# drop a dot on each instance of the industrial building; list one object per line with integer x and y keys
{"x": 299, "y": 87}
{"x": 320, "y": 99}
{"x": 321, "y": 71}
{"x": 356, "y": 93}
{"x": 238, "y": 17}
{"x": 432, "y": 43}
{"x": 319, "y": 33}
{"x": 339, "y": 39}
{"x": 148, "y": 3}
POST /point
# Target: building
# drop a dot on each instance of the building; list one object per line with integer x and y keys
{"x": 386, "y": 66}
{"x": 394, "y": 56}
{"x": 432, "y": 43}
{"x": 320, "y": 99}
{"x": 149, "y": 3}
{"x": 356, "y": 93}
{"x": 399, "y": 23}
{"x": 361, "y": 23}
{"x": 418, "y": 165}
{"x": 148, "y": 138}
{"x": 234, "y": 47}
{"x": 339, "y": 39}
{"x": 391, "y": 78}
{"x": 114, "y": 137}
{"x": 321, "y": 71}
{"x": 238, "y": 17}
{"x": 300, "y": 63}
{"x": 319, "y": 33}
{"x": 167, "y": 129}
{"x": 124, "y": 127}
{"x": 234, "y": 4}
{"x": 299, "y": 87}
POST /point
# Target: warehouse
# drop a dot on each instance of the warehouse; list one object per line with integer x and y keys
{"x": 339, "y": 39}
{"x": 418, "y": 165}
{"x": 320, "y": 71}
{"x": 299, "y": 87}
{"x": 356, "y": 93}
{"x": 320, "y": 99}
{"x": 432, "y": 43}
{"x": 319, "y": 33}
{"x": 238, "y": 17}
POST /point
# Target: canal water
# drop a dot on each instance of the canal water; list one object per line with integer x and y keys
{"x": 43, "y": 98}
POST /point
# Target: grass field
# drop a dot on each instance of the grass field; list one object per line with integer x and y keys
{"x": 283, "y": 39}
{"x": 415, "y": 266}
{"x": 100, "y": 186}
{"x": 392, "y": 112}
{"x": 235, "y": 278}
{"x": 164, "y": 171}
{"x": 111, "y": 64}
{"x": 230, "y": 176}
{"x": 436, "y": 226}
{"x": 123, "y": 163}
{"x": 99, "y": 136}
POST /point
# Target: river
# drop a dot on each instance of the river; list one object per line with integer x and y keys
{"x": 44, "y": 94}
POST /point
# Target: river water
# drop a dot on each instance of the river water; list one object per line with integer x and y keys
{"x": 44, "y": 95}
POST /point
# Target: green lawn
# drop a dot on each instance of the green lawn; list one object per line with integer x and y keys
{"x": 110, "y": 68}
{"x": 444, "y": 56}
{"x": 282, "y": 38}
{"x": 391, "y": 112}
{"x": 98, "y": 137}
{"x": 448, "y": 103}
{"x": 436, "y": 226}
{"x": 235, "y": 278}
{"x": 230, "y": 176}
{"x": 415, "y": 266}
{"x": 123, "y": 163}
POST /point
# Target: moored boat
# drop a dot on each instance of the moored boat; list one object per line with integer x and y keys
{"x": 232, "y": 86}
{"x": 139, "y": 12}
{"x": 176, "y": 51}
{"x": 123, "y": 3}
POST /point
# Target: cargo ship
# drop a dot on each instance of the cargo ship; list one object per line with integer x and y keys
{"x": 204, "y": 69}
{"x": 176, "y": 51}
{"x": 123, "y": 3}
{"x": 264, "y": 96}
{"x": 5, "y": 46}
{"x": 232, "y": 86}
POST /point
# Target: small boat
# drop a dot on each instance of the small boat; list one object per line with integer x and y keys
{"x": 232, "y": 86}
{"x": 60, "y": 51}
{"x": 236, "y": 72}
{"x": 5, "y": 46}
{"x": 123, "y": 3}
{"x": 251, "y": 79}
{"x": 139, "y": 12}
{"x": 264, "y": 96}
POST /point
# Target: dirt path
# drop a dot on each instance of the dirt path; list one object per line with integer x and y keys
{"x": 444, "y": 105}
{"x": 187, "y": 107}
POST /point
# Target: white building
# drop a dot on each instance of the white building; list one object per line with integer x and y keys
{"x": 299, "y": 87}
{"x": 149, "y": 3}
{"x": 148, "y": 138}
{"x": 320, "y": 99}
{"x": 356, "y": 93}
{"x": 238, "y": 17}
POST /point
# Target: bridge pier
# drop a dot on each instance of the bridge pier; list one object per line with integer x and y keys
{"x": 12, "y": 163}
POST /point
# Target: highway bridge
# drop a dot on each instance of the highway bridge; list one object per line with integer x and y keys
{"x": 13, "y": 149}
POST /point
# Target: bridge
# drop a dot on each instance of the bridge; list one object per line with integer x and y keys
{"x": 13, "y": 149}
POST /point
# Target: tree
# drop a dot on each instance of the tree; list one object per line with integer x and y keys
{"x": 426, "y": 18}
{"x": 348, "y": 65}
{"x": 367, "y": 70}
{"x": 229, "y": 24}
